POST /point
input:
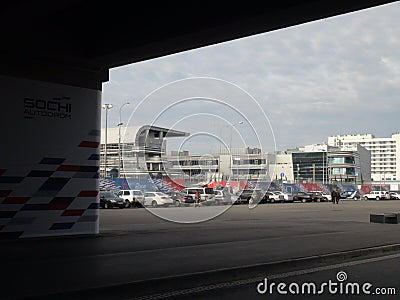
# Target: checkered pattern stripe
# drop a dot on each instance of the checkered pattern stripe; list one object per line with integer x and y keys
{"x": 56, "y": 197}
{"x": 107, "y": 185}
{"x": 164, "y": 186}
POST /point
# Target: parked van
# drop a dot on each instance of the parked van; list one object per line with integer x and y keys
{"x": 133, "y": 198}
{"x": 206, "y": 194}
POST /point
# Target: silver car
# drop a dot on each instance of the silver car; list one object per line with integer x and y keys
{"x": 155, "y": 199}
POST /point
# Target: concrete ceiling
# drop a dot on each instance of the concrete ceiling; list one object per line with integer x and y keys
{"x": 86, "y": 38}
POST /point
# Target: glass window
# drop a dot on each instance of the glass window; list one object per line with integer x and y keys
{"x": 336, "y": 160}
{"x": 209, "y": 190}
{"x": 349, "y": 160}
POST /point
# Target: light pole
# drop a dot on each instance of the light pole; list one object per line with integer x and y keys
{"x": 119, "y": 139}
{"x": 230, "y": 146}
{"x": 106, "y": 106}
{"x": 298, "y": 173}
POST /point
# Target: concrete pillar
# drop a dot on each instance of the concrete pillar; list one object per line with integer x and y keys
{"x": 49, "y": 159}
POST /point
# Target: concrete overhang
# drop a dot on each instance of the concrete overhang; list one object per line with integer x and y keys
{"x": 76, "y": 42}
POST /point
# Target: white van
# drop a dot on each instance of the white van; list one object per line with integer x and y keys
{"x": 133, "y": 198}
{"x": 206, "y": 194}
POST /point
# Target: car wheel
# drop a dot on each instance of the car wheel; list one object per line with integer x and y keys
{"x": 106, "y": 205}
{"x": 365, "y": 198}
{"x": 377, "y": 198}
{"x": 127, "y": 203}
{"x": 303, "y": 200}
{"x": 177, "y": 203}
{"x": 154, "y": 203}
{"x": 272, "y": 200}
{"x": 318, "y": 200}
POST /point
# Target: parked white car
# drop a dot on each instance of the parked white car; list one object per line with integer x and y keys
{"x": 395, "y": 195}
{"x": 221, "y": 198}
{"x": 377, "y": 195}
{"x": 286, "y": 196}
{"x": 325, "y": 196}
{"x": 155, "y": 199}
{"x": 206, "y": 194}
{"x": 133, "y": 198}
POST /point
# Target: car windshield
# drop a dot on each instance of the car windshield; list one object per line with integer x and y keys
{"x": 137, "y": 193}
{"x": 109, "y": 194}
{"x": 160, "y": 194}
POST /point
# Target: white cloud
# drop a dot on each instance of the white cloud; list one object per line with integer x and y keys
{"x": 338, "y": 75}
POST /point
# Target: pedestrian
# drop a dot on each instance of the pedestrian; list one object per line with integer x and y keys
{"x": 197, "y": 200}
{"x": 333, "y": 195}
{"x": 337, "y": 196}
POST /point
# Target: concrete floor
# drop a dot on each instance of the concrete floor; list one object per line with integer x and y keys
{"x": 135, "y": 245}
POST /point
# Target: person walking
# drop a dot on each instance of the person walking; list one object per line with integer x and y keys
{"x": 197, "y": 200}
{"x": 337, "y": 196}
{"x": 333, "y": 195}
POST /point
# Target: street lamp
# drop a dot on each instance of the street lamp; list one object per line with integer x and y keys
{"x": 119, "y": 139}
{"x": 230, "y": 139}
{"x": 106, "y": 106}
{"x": 298, "y": 173}
{"x": 230, "y": 146}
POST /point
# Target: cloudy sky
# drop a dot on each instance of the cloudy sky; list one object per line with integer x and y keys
{"x": 292, "y": 87}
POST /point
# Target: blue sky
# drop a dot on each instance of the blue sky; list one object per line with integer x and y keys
{"x": 294, "y": 86}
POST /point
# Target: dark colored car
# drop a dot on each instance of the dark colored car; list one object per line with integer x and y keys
{"x": 350, "y": 195}
{"x": 302, "y": 196}
{"x": 247, "y": 194}
{"x": 181, "y": 198}
{"x": 110, "y": 200}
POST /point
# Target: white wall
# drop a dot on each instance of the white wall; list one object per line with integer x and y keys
{"x": 48, "y": 158}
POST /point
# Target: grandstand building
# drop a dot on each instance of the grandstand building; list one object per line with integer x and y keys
{"x": 138, "y": 151}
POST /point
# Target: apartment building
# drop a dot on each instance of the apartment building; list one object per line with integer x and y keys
{"x": 385, "y": 153}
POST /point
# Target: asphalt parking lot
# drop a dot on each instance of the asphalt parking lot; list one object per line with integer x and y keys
{"x": 135, "y": 246}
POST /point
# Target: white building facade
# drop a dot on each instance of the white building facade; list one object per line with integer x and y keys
{"x": 385, "y": 153}
{"x": 237, "y": 164}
